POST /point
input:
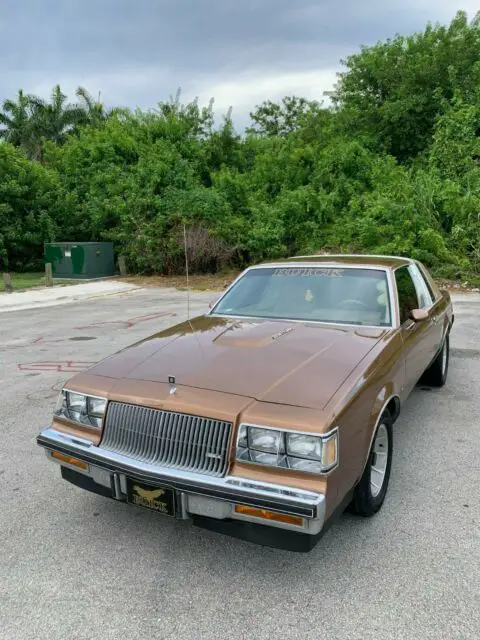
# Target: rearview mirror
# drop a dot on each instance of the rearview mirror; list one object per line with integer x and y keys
{"x": 417, "y": 315}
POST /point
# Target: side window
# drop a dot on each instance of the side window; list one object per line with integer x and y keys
{"x": 427, "y": 283}
{"x": 424, "y": 297}
{"x": 407, "y": 294}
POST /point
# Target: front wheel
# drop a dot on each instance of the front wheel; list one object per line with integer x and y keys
{"x": 371, "y": 490}
{"x": 436, "y": 374}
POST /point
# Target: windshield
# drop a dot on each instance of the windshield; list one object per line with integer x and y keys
{"x": 318, "y": 294}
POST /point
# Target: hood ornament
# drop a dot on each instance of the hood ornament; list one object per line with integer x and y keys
{"x": 173, "y": 385}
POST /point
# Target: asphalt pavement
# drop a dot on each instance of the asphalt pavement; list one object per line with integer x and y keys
{"x": 76, "y": 565}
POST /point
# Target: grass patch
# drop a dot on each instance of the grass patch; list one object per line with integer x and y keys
{"x": 22, "y": 281}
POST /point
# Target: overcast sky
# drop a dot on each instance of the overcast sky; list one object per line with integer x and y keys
{"x": 241, "y": 52}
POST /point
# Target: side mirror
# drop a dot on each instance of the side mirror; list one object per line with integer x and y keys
{"x": 212, "y": 304}
{"x": 417, "y": 315}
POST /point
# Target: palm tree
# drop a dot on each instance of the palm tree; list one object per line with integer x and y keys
{"x": 55, "y": 119}
{"x": 94, "y": 110}
{"x": 29, "y": 121}
{"x": 16, "y": 121}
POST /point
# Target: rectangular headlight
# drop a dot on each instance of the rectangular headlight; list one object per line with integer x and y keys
{"x": 267, "y": 440}
{"x": 270, "y": 459}
{"x": 77, "y": 403}
{"x": 302, "y": 445}
{"x": 288, "y": 449}
{"x": 96, "y": 406}
{"x": 310, "y": 466}
{"x": 82, "y": 408}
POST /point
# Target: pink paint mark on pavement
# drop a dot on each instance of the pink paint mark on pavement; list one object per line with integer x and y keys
{"x": 127, "y": 324}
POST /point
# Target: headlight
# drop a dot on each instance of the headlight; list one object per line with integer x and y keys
{"x": 267, "y": 440}
{"x": 288, "y": 449}
{"x": 81, "y": 408}
{"x": 302, "y": 445}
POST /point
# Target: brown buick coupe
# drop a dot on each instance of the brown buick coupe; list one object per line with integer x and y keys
{"x": 270, "y": 414}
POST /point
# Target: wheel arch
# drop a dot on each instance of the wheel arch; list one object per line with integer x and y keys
{"x": 393, "y": 406}
{"x": 386, "y": 399}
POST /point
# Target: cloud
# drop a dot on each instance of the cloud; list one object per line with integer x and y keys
{"x": 250, "y": 88}
{"x": 137, "y": 52}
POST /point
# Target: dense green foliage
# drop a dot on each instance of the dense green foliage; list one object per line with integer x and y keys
{"x": 392, "y": 167}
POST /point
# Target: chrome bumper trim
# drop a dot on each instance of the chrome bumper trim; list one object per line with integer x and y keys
{"x": 290, "y": 500}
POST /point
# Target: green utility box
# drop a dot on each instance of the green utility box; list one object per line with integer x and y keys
{"x": 80, "y": 260}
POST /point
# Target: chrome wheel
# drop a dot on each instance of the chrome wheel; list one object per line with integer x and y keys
{"x": 378, "y": 468}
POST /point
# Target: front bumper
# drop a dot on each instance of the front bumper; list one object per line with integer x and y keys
{"x": 204, "y": 499}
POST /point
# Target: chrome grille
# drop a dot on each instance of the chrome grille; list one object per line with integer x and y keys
{"x": 175, "y": 440}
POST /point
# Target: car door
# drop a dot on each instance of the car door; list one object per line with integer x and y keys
{"x": 437, "y": 310}
{"x": 416, "y": 336}
{"x": 428, "y": 302}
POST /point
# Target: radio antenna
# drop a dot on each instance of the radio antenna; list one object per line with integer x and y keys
{"x": 186, "y": 271}
{"x": 188, "y": 290}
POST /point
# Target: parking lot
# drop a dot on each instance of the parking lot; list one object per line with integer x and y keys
{"x": 76, "y": 565}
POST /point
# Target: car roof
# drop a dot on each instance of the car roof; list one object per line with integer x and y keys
{"x": 385, "y": 262}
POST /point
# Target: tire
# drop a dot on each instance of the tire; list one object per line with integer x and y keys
{"x": 370, "y": 492}
{"x": 437, "y": 372}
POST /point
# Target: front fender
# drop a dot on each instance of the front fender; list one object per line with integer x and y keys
{"x": 386, "y": 399}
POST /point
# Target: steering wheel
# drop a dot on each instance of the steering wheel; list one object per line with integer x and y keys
{"x": 351, "y": 301}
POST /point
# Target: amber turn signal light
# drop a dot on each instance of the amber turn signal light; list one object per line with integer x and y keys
{"x": 75, "y": 462}
{"x": 268, "y": 515}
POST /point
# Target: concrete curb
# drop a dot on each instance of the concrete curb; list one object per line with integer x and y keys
{"x": 47, "y": 297}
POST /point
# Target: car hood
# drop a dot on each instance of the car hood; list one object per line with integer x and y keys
{"x": 298, "y": 364}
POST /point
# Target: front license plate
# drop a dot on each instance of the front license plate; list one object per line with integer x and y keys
{"x": 159, "y": 499}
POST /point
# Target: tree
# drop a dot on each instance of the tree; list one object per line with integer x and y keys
{"x": 16, "y": 121}
{"x": 93, "y": 110}
{"x": 454, "y": 159}
{"x": 55, "y": 119}
{"x": 29, "y": 209}
{"x": 455, "y": 150}
{"x": 393, "y": 91}
{"x": 29, "y": 121}
{"x": 280, "y": 119}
